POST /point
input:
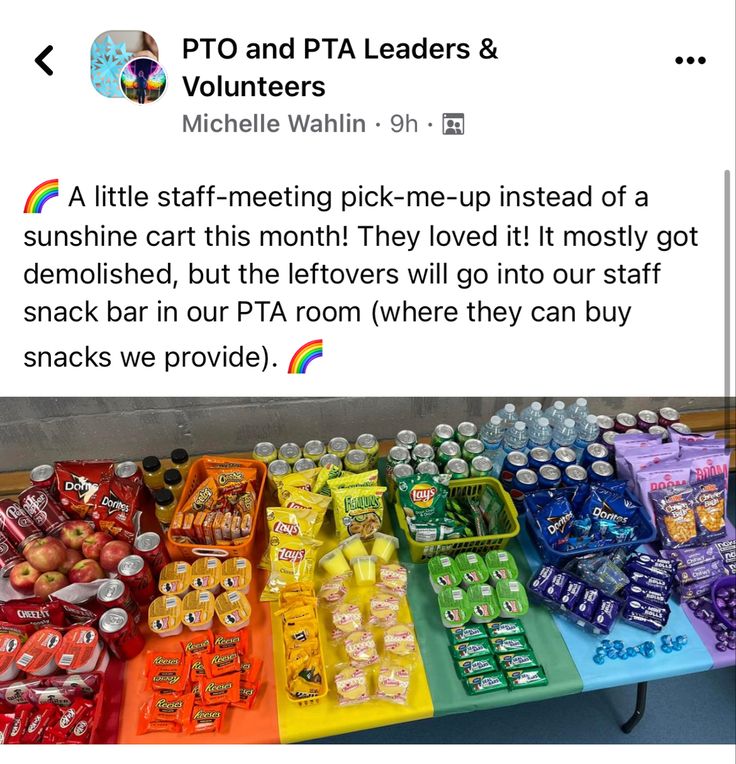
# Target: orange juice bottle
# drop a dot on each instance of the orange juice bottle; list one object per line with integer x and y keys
{"x": 153, "y": 473}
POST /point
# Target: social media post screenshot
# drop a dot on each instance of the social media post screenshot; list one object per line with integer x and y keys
{"x": 473, "y": 265}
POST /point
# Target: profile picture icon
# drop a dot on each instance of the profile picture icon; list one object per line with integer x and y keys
{"x": 143, "y": 80}
{"x": 111, "y": 51}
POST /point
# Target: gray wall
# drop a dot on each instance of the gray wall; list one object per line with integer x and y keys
{"x": 37, "y": 430}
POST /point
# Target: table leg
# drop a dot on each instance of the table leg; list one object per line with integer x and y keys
{"x": 641, "y": 704}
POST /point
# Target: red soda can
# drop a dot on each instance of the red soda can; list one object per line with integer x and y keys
{"x": 121, "y": 635}
{"x": 153, "y": 550}
{"x": 646, "y": 419}
{"x": 43, "y": 509}
{"x": 115, "y": 593}
{"x": 8, "y": 556}
{"x": 16, "y": 525}
{"x": 128, "y": 471}
{"x": 668, "y": 416}
{"x": 624, "y": 422}
{"x": 43, "y": 476}
{"x": 134, "y": 571}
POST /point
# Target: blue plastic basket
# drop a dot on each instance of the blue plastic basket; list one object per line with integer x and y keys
{"x": 645, "y": 531}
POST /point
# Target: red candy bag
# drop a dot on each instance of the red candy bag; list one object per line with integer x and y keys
{"x": 62, "y": 728}
{"x": 38, "y": 722}
{"x": 22, "y": 715}
{"x": 16, "y": 692}
{"x": 7, "y": 720}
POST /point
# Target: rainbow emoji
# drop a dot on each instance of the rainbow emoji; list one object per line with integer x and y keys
{"x": 304, "y": 356}
{"x": 40, "y": 195}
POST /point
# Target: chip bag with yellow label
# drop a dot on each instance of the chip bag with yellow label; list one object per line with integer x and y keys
{"x": 358, "y": 510}
{"x": 292, "y": 559}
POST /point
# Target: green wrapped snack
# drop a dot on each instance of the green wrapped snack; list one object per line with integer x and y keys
{"x": 423, "y": 497}
{"x": 493, "y": 509}
{"x": 500, "y": 559}
{"x": 511, "y": 627}
{"x": 469, "y": 633}
{"x": 501, "y": 645}
{"x": 454, "y": 607}
{"x": 472, "y": 568}
{"x": 437, "y": 531}
{"x": 474, "y": 666}
{"x": 512, "y": 598}
{"x": 532, "y": 677}
{"x": 517, "y": 661}
{"x": 477, "y": 685}
{"x": 483, "y": 603}
{"x": 443, "y": 572}
{"x": 479, "y": 648}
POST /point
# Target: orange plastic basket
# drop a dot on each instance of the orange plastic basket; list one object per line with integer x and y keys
{"x": 184, "y": 551}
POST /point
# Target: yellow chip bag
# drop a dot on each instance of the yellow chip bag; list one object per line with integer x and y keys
{"x": 292, "y": 559}
{"x": 358, "y": 510}
{"x": 325, "y": 475}
{"x": 291, "y": 522}
{"x": 296, "y": 498}
{"x": 350, "y": 480}
{"x": 301, "y": 480}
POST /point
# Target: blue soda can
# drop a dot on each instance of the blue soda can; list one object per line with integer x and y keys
{"x": 594, "y": 452}
{"x": 574, "y": 475}
{"x": 600, "y": 472}
{"x": 524, "y": 481}
{"x": 563, "y": 457}
{"x": 514, "y": 461}
{"x": 549, "y": 476}
{"x": 539, "y": 456}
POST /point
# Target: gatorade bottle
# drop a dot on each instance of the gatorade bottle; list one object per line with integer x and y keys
{"x": 540, "y": 433}
{"x": 556, "y": 413}
{"x": 578, "y": 411}
{"x": 507, "y": 415}
{"x": 586, "y": 433}
{"x": 563, "y": 435}
{"x": 491, "y": 433}
{"x": 531, "y": 413}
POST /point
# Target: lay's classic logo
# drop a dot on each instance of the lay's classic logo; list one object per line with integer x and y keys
{"x": 422, "y": 494}
{"x": 292, "y": 555}
{"x": 287, "y": 529}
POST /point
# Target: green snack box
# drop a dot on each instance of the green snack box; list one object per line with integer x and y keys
{"x": 477, "y": 649}
{"x": 517, "y": 661}
{"x": 512, "y": 598}
{"x": 472, "y": 569}
{"x": 483, "y": 603}
{"x": 498, "y": 559}
{"x": 501, "y": 645}
{"x": 468, "y": 633}
{"x": 454, "y": 607}
{"x": 474, "y": 666}
{"x": 477, "y": 685}
{"x": 443, "y": 572}
{"x": 531, "y": 677}
{"x": 510, "y": 627}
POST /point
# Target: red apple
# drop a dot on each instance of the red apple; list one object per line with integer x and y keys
{"x": 112, "y": 553}
{"x": 23, "y": 576}
{"x": 45, "y": 554}
{"x": 84, "y": 571}
{"x": 48, "y": 583}
{"x": 93, "y": 544}
{"x": 72, "y": 556}
{"x": 74, "y": 532}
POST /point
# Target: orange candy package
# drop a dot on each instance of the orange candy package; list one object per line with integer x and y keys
{"x": 206, "y": 719}
{"x": 219, "y": 664}
{"x": 203, "y": 642}
{"x": 167, "y": 671}
{"x": 239, "y": 641}
{"x": 223, "y": 690}
{"x": 165, "y": 712}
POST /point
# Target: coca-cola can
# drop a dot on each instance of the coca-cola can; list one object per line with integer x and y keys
{"x": 16, "y": 525}
{"x": 43, "y": 476}
{"x": 115, "y": 593}
{"x": 43, "y": 509}
{"x": 8, "y": 556}
{"x": 134, "y": 571}
{"x": 128, "y": 471}
{"x": 152, "y": 549}
{"x": 121, "y": 635}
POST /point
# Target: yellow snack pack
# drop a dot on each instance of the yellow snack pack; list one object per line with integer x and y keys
{"x": 165, "y": 615}
{"x": 236, "y": 574}
{"x": 292, "y": 560}
{"x": 206, "y": 573}
{"x": 296, "y": 498}
{"x": 351, "y": 480}
{"x": 175, "y": 578}
{"x": 291, "y": 522}
{"x": 325, "y": 475}
{"x": 358, "y": 510}
{"x": 233, "y": 610}
{"x": 304, "y": 481}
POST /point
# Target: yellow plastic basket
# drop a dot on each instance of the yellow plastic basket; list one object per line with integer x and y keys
{"x": 470, "y": 488}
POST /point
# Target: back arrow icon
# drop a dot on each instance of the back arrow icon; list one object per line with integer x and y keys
{"x": 40, "y": 57}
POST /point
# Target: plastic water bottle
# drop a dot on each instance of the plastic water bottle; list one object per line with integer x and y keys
{"x": 515, "y": 438}
{"x": 531, "y": 413}
{"x": 563, "y": 434}
{"x": 556, "y": 413}
{"x": 491, "y": 433}
{"x": 578, "y": 411}
{"x": 507, "y": 415}
{"x": 586, "y": 433}
{"x": 540, "y": 433}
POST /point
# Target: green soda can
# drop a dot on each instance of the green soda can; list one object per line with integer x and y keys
{"x": 422, "y": 452}
{"x": 338, "y": 447}
{"x": 480, "y": 467}
{"x": 330, "y": 460}
{"x": 406, "y": 438}
{"x": 457, "y": 469}
{"x": 304, "y": 464}
{"x": 448, "y": 450}
{"x": 356, "y": 461}
{"x": 441, "y": 434}
{"x": 290, "y": 453}
{"x": 466, "y": 431}
{"x": 314, "y": 450}
{"x": 472, "y": 448}
{"x": 264, "y": 452}
{"x": 369, "y": 445}
{"x": 427, "y": 468}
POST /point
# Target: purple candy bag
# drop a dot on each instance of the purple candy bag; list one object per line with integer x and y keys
{"x": 637, "y": 592}
{"x": 698, "y": 588}
{"x": 693, "y": 437}
{"x": 687, "y": 558}
{"x": 700, "y": 572}
{"x": 707, "y": 466}
{"x": 572, "y": 593}
{"x": 627, "y": 445}
{"x": 606, "y": 614}
{"x": 588, "y": 604}
{"x": 649, "y": 457}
